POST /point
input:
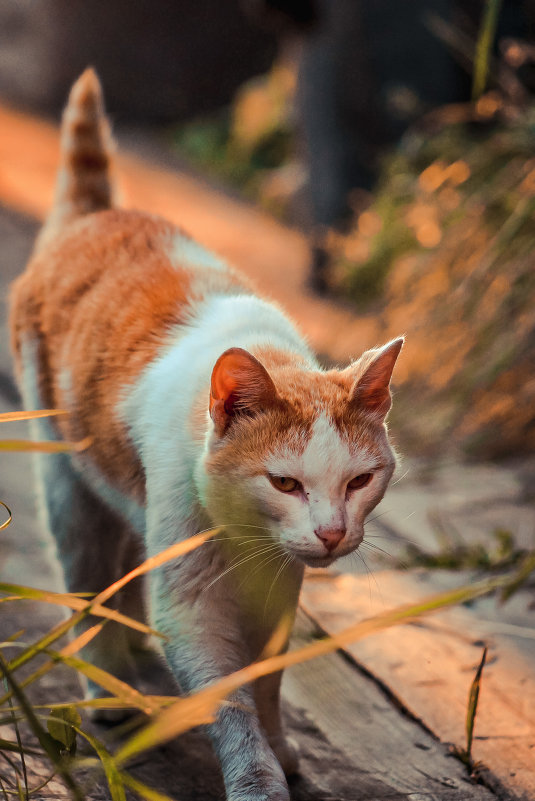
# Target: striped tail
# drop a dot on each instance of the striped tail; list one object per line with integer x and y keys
{"x": 83, "y": 182}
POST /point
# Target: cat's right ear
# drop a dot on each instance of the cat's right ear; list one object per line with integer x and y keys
{"x": 240, "y": 385}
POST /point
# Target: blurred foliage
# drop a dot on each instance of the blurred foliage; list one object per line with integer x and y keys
{"x": 443, "y": 254}
{"x": 455, "y": 553}
{"x": 250, "y": 145}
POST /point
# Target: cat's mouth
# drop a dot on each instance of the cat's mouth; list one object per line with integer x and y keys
{"x": 318, "y": 561}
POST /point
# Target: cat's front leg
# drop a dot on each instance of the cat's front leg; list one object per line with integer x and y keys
{"x": 251, "y": 770}
{"x": 205, "y": 643}
{"x": 267, "y": 696}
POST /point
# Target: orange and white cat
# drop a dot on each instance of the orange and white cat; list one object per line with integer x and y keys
{"x": 204, "y": 407}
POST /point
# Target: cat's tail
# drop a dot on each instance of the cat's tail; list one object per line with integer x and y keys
{"x": 83, "y": 181}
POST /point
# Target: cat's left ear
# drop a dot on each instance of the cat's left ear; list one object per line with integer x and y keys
{"x": 371, "y": 390}
{"x": 240, "y": 385}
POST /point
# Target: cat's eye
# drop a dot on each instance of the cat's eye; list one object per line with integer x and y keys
{"x": 284, "y": 483}
{"x": 359, "y": 481}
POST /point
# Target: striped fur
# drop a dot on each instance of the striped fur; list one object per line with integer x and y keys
{"x": 198, "y": 396}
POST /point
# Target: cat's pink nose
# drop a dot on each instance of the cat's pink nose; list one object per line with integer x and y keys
{"x": 330, "y": 537}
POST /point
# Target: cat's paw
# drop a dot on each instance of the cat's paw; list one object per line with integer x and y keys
{"x": 268, "y": 794}
{"x": 287, "y": 752}
{"x": 263, "y": 782}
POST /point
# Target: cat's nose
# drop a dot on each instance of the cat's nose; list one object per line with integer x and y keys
{"x": 330, "y": 537}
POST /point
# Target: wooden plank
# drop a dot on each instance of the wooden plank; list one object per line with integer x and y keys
{"x": 395, "y": 756}
{"x": 429, "y": 665}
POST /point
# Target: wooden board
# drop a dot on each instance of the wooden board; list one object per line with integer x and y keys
{"x": 429, "y": 665}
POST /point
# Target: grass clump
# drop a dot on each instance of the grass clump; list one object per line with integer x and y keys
{"x": 251, "y": 144}
{"x": 444, "y": 255}
{"x": 455, "y": 553}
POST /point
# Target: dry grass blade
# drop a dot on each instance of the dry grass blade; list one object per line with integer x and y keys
{"x": 173, "y": 552}
{"x": 74, "y": 601}
{"x": 124, "y": 696}
{"x": 13, "y": 417}
{"x": 158, "y": 701}
{"x": 45, "y": 446}
{"x": 279, "y": 639}
{"x": 6, "y": 523}
{"x": 129, "y": 697}
{"x": 73, "y": 647}
{"x": 200, "y": 708}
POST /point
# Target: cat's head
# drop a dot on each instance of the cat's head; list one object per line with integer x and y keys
{"x": 299, "y": 453}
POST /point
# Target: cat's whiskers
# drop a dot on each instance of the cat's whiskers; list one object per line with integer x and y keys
{"x": 284, "y": 565}
{"x": 406, "y": 473}
{"x": 398, "y": 562}
{"x": 266, "y": 561}
{"x": 373, "y": 519}
{"x": 375, "y": 547}
{"x": 358, "y": 554}
{"x": 238, "y": 562}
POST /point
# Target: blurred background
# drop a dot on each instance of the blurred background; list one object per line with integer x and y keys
{"x": 397, "y": 136}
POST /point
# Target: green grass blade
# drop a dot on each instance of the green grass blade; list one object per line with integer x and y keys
{"x": 142, "y": 789}
{"x": 19, "y": 744}
{"x": 8, "y": 745}
{"x": 113, "y": 775}
{"x": 473, "y": 699}
{"x": 485, "y": 40}
{"x": 526, "y": 568}
{"x": 20, "y": 793}
{"x": 45, "y": 740}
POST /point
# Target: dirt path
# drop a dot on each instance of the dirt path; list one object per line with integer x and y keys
{"x": 359, "y": 740}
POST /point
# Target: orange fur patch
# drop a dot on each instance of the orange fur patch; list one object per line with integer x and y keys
{"x": 100, "y": 301}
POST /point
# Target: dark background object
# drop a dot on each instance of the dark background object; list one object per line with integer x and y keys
{"x": 158, "y": 60}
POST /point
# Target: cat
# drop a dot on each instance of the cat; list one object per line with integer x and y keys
{"x": 204, "y": 407}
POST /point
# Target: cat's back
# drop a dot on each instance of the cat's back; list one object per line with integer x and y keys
{"x": 98, "y": 303}
{"x": 110, "y": 287}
